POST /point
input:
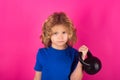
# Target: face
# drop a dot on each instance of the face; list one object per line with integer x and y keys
{"x": 59, "y": 37}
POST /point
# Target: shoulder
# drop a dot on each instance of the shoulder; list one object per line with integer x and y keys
{"x": 41, "y": 51}
{"x": 73, "y": 49}
{"x": 75, "y": 54}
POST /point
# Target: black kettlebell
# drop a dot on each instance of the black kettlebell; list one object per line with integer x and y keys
{"x": 91, "y": 64}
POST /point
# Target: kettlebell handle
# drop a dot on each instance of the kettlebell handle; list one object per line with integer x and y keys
{"x": 81, "y": 60}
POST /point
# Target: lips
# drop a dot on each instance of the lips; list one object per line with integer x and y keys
{"x": 60, "y": 41}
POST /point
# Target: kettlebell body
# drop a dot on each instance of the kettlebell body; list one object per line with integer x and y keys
{"x": 91, "y": 64}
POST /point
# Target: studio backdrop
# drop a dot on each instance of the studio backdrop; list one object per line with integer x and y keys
{"x": 97, "y": 23}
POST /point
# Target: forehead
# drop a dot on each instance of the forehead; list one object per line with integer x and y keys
{"x": 59, "y": 28}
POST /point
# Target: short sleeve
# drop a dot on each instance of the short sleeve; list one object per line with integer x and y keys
{"x": 75, "y": 61}
{"x": 38, "y": 64}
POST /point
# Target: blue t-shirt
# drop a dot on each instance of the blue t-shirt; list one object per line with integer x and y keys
{"x": 56, "y": 64}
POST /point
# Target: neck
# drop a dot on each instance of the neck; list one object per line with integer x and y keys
{"x": 59, "y": 47}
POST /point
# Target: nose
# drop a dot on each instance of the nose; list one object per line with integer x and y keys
{"x": 60, "y": 37}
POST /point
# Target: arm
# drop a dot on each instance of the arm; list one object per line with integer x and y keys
{"x": 77, "y": 74}
{"x": 37, "y": 75}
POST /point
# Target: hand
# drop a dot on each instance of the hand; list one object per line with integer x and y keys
{"x": 84, "y": 50}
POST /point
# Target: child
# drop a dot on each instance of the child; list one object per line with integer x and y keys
{"x": 58, "y": 60}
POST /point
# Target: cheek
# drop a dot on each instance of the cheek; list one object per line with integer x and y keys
{"x": 53, "y": 38}
{"x": 66, "y": 37}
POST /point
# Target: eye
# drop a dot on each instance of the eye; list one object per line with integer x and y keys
{"x": 55, "y": 33}
{"x": 64, "y": 32}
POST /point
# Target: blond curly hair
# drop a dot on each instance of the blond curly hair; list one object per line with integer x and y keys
{"x": 57, "y": 18}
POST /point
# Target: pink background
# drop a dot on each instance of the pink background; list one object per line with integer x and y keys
{"x": 97, "y": 23}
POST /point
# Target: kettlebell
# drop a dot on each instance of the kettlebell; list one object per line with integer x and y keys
{"x": 91, "y": 64}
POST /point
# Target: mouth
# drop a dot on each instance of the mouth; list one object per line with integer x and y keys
{"x": 60, "y": 41}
